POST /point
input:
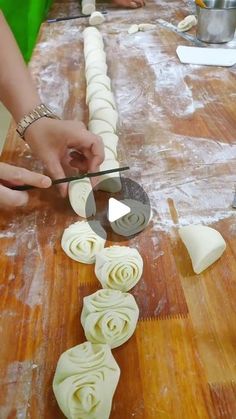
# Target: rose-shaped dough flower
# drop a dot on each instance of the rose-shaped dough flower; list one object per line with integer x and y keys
{"x": 109, "y": 316}
{"x": 81, "y": 243}
{"x": 119, "y": 267}
{"x": 81, "y": 197}
{"x": 85, "y": 381}
{"x": 133, "y": 222}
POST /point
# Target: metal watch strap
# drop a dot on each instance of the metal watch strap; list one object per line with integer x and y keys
{"x": 38, "y": 112}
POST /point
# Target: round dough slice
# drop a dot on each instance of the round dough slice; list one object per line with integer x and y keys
{"x": 106, "y": 96}
{"x": 93, "y": 88}
{"x": 91, "y": 43}
{"x": 96, "y": 104}
{"x": 104, "y": 80}
{"x": 81, "y": 197}
{"x": 91, "y": 48}
{"x": 101, "y": 65}
{"x": 85, "y": 381}
{"x": 144, "y": 27}
{"x": 187, "y": 23}
{"x": 205, "y": 245}
{"x": 109, "y": 155}
{"x": 97, "y": 57}
{"x": 98, "y": 127}
{"x": 133, "y": 222}
{"x": 133, "y": 29}
{"x": 108, "y": 115}
{"x": 92, "y": 73}
{"x": 91, "y": 31}
{"x": 88, "y": 7}
{"x": 109, "y": 316}
{"x": 96, "y": 18}
{"x": 111, "y": 181}
{"x": 81, "y": 243}
{"x": 110, "y": 141}
{"x": 119, "y": 267}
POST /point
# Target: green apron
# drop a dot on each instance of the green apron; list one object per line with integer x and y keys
{"x": 24, "y": 18}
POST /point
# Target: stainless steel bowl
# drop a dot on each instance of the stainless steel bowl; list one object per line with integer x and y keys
{"x": 216, "y": 22}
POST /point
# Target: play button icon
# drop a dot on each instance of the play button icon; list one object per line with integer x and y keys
{"x": 116, "y": 210}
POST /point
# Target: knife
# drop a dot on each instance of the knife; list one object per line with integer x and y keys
{"x": 184, "y": 35}
{"x": 71, "y": 178}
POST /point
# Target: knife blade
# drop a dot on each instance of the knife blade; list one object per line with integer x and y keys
{"x": 184, "y": 35}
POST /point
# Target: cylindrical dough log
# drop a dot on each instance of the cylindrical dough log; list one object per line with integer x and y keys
{"x": 98, "y": 127}
{"x": 96, "y": 18}
{"x": 81, "y": 243}
{"x": 108, "y": 115}
{"x": 85, "y": 381}
{"x": 109, "y": 316}
{"x": 111, "y": 181}
{"x": 88, "y": 7}
{"x": 204, "y": 244}
{"x": 134, "y": 222}
{"x": 81, "y": 197}
{"x": 95, "y": 104}
{"x": 119, "y": 267}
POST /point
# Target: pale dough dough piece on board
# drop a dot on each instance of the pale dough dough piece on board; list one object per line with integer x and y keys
{"x": 110, "y": 182}
{"x": 92, "y": 73}
{"x": 97, "y": 57}
{"x": 90, "y": 48}
{"x": 81, "y": 243}
{"x": 104, "y": 80}
{"x": 98, "y": 127}
{"x": 95, "y": 104}
{"x": 97, "y": 64}
{"x": 91, "y": 31}
{"x": 110, "y": 141}
{"x": 133, "y": 29}
{"x": 106, "y": 96}
{"x": 85, "y": 381}
{"x": 204, "y": 244}
{"x": 119, "y": 267}
{"x": 81, "y": 197}
{"x": 88, "y": 7}
{"x": 108, "y": 115}
{"x": 187, "y": 23}
{"x": 133, "y": 222}
{"x": 109, "y": 155}
{"x": 91, "y": 43}
{"x": 109, "y": 316}
{"x": 144, "y": 27}
{"x": 96, "y": 18}
{"x": 92, "y": 89}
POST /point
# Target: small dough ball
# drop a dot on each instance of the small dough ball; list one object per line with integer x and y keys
{"x": 108, "y": 115}
{"x": 119, "y": 267}
{"x": 187, "y": 23}
{"x": 88, "y": 7}
{"x": 81, "y": 197}
{"x": 85, "y": 381}
{"x": 109, "y": 316}
{"x": 96, "y": 18}
{"x": 98, "y": 127}
{"x": 133, "y": 29}
{"x": 133, "y": 222}
{"x": 144, "y": 27}
{"x": 81, "y": 243}
{"x": 111, "y": 181}
{"x": 204, "y": 244}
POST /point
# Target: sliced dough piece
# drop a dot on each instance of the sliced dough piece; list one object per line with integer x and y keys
{"x": 90, "y": 48}
{"x": 108, "y": 115}
{"x": 88, "y": 7}
{"x": 110, "y": 141}
{"x": 85, "y": 381}
{"x": 92, "y": 73}
{"x": 95, "y": 104}
{"x": 144, "y": 27}
{"x": 204, "y": 244}
{"x": 81, "y": 243}
{"x": 98, "y": 127}
{"x": 96, "y": 18}
{"x": 133, "y": 29}
{"x": 91, "y": 31}
{"x": 104, "y": 80}
{"x": 119, "y": 267}
{"x": 81, "y": 197}
{"x": 110, "y": 182}
{"x": 187, "y": 23}
{"x": 91, "y": 42}
{"x": 101, "y": 65}
{"x": 106, "y": 96}
{"x": 93, "y": 88}
{"x": 109, "y": 316}
{"x": 109, "y": 155}
{"x": 134, "y": 222}
{"x": 98, "y": 56}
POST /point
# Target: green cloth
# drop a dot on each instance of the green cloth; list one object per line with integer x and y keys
{"x": 24, "y": 18}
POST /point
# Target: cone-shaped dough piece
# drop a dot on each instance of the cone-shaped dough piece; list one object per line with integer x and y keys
{"x": 96, "y": 18}
{"x": 85, "y": 381}
{"x": 88, "y": 7}
{"x": 98, "y": 127}
{"x": 133, "y": 222}
{"x": 111, "y": 181}
{"x": 81, "y": 197}
{"x": 119, "y": 267}
{"x": 108, "y": 115}
{"x": 204, "y": 244}
{"x": 81, "y": 243}
{"x": 187, "y": 23}
{"x": 109, "y": 316}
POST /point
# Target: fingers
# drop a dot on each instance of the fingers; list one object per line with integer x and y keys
{"x": 20, "y": 176}
{"x": 14, "y": 199}
{"x": 56, "y": 171}
{"x": 91, "y": 146}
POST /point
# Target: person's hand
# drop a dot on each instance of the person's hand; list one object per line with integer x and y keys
{"x": 59, "y": 143}
{"x": 13, "y": 176}
{"x": 133, "y": 4}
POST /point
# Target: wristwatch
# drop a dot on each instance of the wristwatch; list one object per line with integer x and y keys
{"x": 39, "y": 112}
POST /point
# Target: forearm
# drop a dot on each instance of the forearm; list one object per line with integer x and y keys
{"x": 17, "y": 90}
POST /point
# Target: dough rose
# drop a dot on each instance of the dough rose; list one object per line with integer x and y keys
{"x": 119, "y": 267}
{"x": 109, "y": 316}
{"x": 81, "y": 243}
{"x": 85, "y": 381}
{"x": 134, "y": 222}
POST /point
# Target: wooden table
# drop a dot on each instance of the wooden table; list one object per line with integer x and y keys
{"x": 178, "y": 130}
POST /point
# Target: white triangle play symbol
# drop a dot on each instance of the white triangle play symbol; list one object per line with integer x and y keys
{"x": 116, "y": 209}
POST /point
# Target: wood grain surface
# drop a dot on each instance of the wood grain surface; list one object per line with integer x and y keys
{"x": 177, "y": 132}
